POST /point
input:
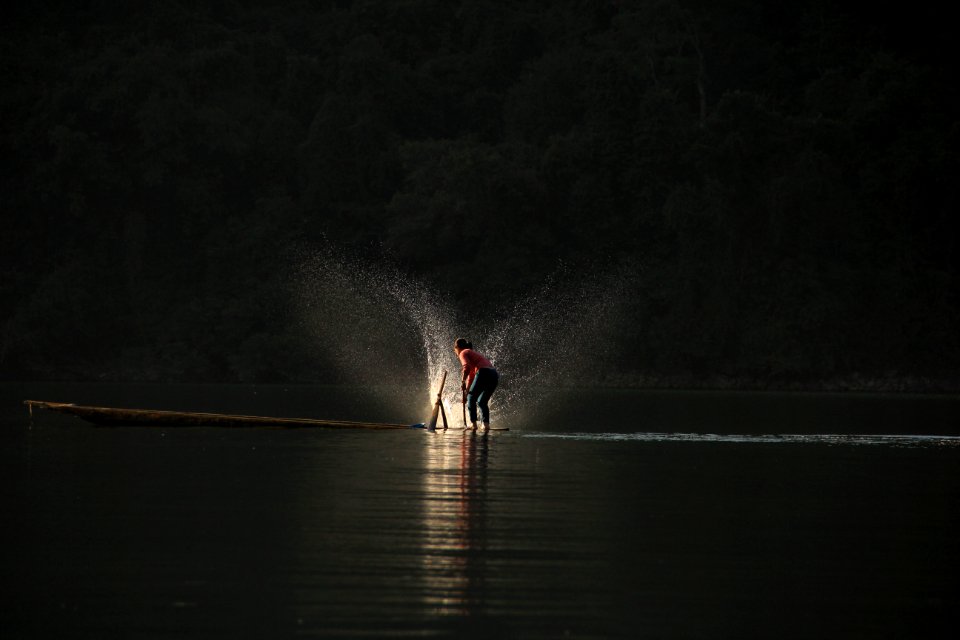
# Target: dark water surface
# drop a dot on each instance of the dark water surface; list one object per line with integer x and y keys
{"x": 618, "y": 514}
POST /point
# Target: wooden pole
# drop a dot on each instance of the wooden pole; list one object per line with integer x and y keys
{"x": 438, "y": 405}
{"x": 443, "y": 414}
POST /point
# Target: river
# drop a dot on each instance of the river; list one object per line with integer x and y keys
{"x": 606, "y": 514}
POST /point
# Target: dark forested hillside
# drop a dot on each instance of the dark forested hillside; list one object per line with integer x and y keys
{"x": 783, "y": 176}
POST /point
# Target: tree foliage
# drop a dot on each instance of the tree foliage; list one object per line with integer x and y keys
{"x": 786, "y": 176}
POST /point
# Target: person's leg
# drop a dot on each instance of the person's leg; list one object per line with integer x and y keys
{"x": 472, "y": 402}
{"x": 484, "y": 408}
{"x": 489, "y": 385}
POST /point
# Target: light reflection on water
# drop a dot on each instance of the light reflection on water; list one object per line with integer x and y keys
{"x": 454, "y": 509}
{"x": 507, "y": 550}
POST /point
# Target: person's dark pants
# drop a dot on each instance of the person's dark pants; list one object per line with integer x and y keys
{"x": 484, "y": 384}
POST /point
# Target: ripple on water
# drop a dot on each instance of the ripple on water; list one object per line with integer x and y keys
{"x": 817, "y": 438}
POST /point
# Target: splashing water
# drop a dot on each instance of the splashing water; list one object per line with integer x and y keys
{"x": 381, "y": 329}
{"x": 372, "y": 326}
{"x": 560, "y": 336}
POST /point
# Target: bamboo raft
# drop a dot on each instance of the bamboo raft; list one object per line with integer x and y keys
{"x": 115, "y": 417}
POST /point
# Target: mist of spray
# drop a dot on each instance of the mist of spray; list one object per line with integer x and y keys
{"x": 380, "y": 328}
{"x": 559, "y": 338}
{"x": 376, "y": 328}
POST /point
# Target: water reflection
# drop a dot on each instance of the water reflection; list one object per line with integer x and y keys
{"x": 810, "y": 438}
{"x": 455, "y": 513}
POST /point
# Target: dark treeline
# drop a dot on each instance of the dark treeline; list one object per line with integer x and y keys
{"x": 784, "y": 176}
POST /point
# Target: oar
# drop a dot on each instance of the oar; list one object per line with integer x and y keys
{"x": 463, "y": 404}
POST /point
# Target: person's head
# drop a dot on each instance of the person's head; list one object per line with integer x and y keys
{"x": 461, "y": 344}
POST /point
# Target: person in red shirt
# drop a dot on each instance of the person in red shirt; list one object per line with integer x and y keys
{"x": 479, "y": 380}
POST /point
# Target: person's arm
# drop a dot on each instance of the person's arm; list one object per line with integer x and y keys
{"x": 465, "y": 369}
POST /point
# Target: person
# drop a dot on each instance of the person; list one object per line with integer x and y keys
{"x": 478, "y": 380}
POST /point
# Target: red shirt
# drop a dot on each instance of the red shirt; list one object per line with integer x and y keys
{"x": 471, "y": 361}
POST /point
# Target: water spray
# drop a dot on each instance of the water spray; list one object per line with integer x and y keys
{"x": 373, "y": 323}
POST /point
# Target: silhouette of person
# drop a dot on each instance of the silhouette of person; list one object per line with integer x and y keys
{"x": 478, "y": 381}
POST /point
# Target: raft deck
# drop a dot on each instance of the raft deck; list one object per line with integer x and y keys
{"x": 116, "y": 417}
